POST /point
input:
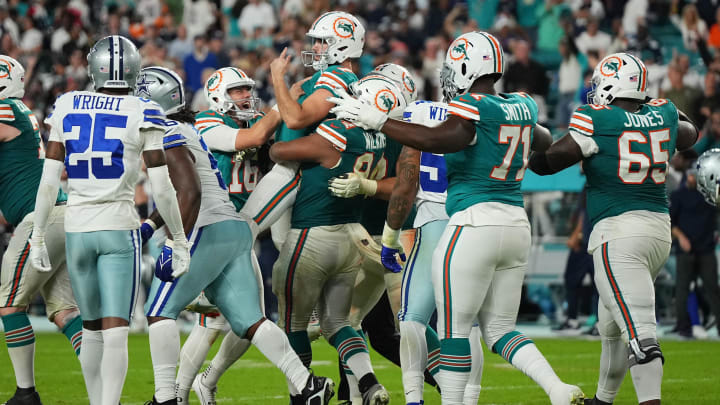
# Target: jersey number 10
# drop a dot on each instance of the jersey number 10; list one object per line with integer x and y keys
{"x": 80, "y": 168}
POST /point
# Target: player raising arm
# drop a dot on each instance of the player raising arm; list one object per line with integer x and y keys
{"x": 487, "y": 140}
{"x": 104, "y": 134}
{"x": 625, "y": 142}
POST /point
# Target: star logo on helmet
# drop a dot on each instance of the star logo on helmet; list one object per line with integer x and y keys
{"x": 459, "y": 49}
{"x": 141, "y": 87}
{"x": 344, "y": 28}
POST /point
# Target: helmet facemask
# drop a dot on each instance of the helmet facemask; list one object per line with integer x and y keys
{"x": 450, "y": 90}
{"x": 318, "y": 60}
{"x": 249, "y": 105}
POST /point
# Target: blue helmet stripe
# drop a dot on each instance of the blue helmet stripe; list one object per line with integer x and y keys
{"x": 112, "y": 58}
{"x": 120, "y": 71}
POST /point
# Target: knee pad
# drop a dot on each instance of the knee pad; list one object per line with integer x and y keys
{"x": 644, "y": 351}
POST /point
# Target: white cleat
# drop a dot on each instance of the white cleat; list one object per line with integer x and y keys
{"x": 205, "y": 394}
{"x": 566, "y": 394}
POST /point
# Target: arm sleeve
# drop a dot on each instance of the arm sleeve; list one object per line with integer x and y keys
{"x": 220, "y": 138}
{"x": 166, "y": 201}
{"x": 46, "y": 195}
{"x": 336, "y": 138}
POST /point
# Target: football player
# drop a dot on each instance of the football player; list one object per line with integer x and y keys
{"x": 486, "y": 141}
{"x": 625, "y": 142}
{"x": 99, "y": 138}
{"x": 22, "y": 155}
{"x": 319, "y": 261}
{"x": 337, "y": 41}
{"x": 422, "y": 180}
{"x": 222, "y": 264}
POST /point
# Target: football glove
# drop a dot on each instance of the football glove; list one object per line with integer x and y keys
{"x": 147, "y": 229}
{"x": 39, "y": 256}
{"x": 349, "y": 185}
{"x": 391, "y": 248}
{"x": 174, "y": 260}
{"x": 358, "y": 112}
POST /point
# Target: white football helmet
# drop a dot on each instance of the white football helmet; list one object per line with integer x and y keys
{"x": 402, "y": 77}
{"x": 12, "y": 78}
{"x": 216, "y": 93}
{"x": 343, "y": 34}
{"x": 162, "y": 86}
{"x": 471, "y": 55}
{"x": 619, "y": 75}
{"x": 708, "y": 175}
{"x": 381, "y": 93}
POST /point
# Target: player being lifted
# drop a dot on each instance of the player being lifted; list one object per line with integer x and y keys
{"x": 624, "y": 141}
{"x": 337, "y": 41}
{"x": 422, "y": 180}
{"x": 319, "y": 261}
{"x": 222, "y": 264}
{"x": 101, "y": 136}
{"x": 486, "y": 140}
{"x": 21, "y": 153}
{"x": 233, "y": 130}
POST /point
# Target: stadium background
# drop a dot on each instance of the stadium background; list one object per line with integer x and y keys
{"x": 551, "y": 47}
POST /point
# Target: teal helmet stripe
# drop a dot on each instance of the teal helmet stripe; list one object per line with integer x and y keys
{"x": 492, "y": 46}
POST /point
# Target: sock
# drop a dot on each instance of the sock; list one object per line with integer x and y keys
{"x": 165, "y": 351}
{"x": 272, "y": 342}
{"x": 114, "y": 364}
{"x": 300, "y": 342}
{"x": 413, "y": 359}
{"x": 273, "y": 195}
{"x": 455, "y": 365}
{"x": 20, "y": 341}
{"x": 520, "y": 351}
{"x": 193, "y": 354}
{"x": 353, "y": 351}
{"x": 231, "y": 349}
{"x": 73, "y": 331}
{"x": 613, "y": 366}
{"x": 472, "y": 389}
{"x": 352, "y": 381}
{"x": 90, "y": 361}
{"x": 647, "y": 379}
{"x": 367, "y": 381}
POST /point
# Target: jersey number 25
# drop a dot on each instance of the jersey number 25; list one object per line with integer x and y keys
{"x": 91, "y": 136}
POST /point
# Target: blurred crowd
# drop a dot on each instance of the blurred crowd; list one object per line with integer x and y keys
{"x": 551, "y": 46}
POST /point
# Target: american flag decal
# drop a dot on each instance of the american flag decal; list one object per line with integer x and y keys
{"x": 486, "y": 57}
{"x": 634, "y": 78}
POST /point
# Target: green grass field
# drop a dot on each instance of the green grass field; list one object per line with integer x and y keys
{"x": 691, "y": 375}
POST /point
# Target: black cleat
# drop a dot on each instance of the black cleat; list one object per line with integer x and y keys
{"x": 595, "y": 401}
{"x": 24, "y": 396}
{"x": 318, "y": 390}
{"x": 168, "y": 402}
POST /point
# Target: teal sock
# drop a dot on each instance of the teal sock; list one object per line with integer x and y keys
{"x": 509, "y": 344}
{"x": 300, "y": 342}
{"x": 73, "y": 331}
{"x": 18, "y": 331}
{"x": 348, "y": 343}
{"x": 20, "y": 341}
{"x": 433, "y": 348}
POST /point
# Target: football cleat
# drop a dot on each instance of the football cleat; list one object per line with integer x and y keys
{"x": 376, "y": 395}
{"x": 205, "y": 394}
{"x": 566, "y": 394}
{"x": 23, "y": 396}
{"x": 168, "y": 402}
{"x": 318, "y": 390}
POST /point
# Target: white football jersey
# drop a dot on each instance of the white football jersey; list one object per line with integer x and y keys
{"x": 215, "y": 205}
{"x": 432, "y": 193}
{"x": 104, "y": 137}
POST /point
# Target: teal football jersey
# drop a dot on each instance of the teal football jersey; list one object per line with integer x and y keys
{"x": 239, "y": 176}
{"x": 375, "y": 210}
{"x": 627, "y": 170}
{"x": 492, "y": 167}
{"x": 360, "y": 152}
{"x": 22, "y": 162}
{"x": 336, "y": 80}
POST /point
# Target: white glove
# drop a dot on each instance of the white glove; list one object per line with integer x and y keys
{"x": 181, "y": 257}
{"x": 39, "y": 257}
{"x": 350, "y": 185}
{"x": 391, "y": 238}
{"x": 358, "y": 112}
